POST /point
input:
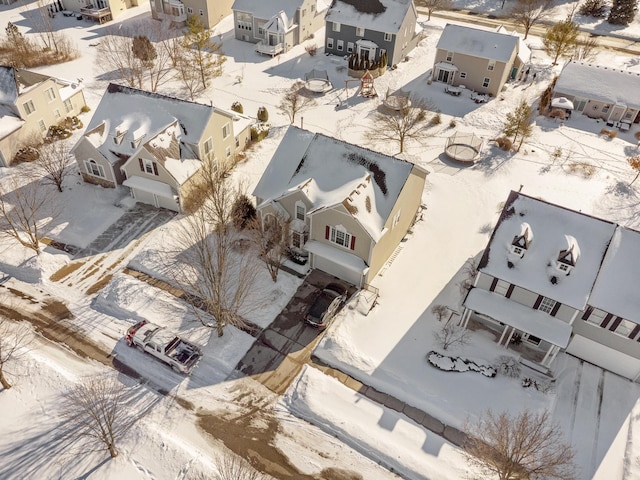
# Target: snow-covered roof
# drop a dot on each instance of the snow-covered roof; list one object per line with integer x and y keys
{"x": 521, "y": 317}
{"x": 162, "y": 125}
{"x": 267, "y": 9}
{"x": 524, "y": 52}
{"x": 378, "y": 15}
{"x": 148, "y": 185}
{"x": 550, "y": 224}
{"x": 601, "y": 83}
{"x": 8, "y": 86}
{"x": 69, "y": 90}
{"x": 348, "y": 260}
{"x": 278, "y": 24}
{"x": 476, "y": 42}
{"x": 616, "y": 289}
{"x": 331, "y": 172}
{"x": 9, "y": 121}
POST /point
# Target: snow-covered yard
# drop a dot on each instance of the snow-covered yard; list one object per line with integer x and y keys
{"x": 570, "y": 164}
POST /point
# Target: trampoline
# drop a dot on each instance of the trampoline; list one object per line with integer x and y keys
{"x": 463, "y": 147}
{"x": 396, "y": 100}
{"x": 317, "y": 81}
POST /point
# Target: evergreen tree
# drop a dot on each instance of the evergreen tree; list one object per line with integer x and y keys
{"x": 263, "y": 114}
{"x": 622, "y": 12}
{"x": 518, "y": 124}
{"x": 560, "y": 39}
{"x": 204, "y": 52}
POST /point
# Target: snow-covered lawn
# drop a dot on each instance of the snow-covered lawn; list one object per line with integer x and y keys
{"x": 387, "y": 348}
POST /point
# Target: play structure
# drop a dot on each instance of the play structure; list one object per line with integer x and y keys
{"x": 463, "y": 147}
{"x": 396, "y": 100}
{"x": 317, "y": 81}
{"x": 367, "y": 88}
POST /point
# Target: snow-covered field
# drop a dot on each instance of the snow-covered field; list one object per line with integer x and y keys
{"x": 385, "y": 349}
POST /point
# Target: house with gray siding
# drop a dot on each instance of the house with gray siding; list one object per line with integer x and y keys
{"x": 277, "y": 25}
{"x": 553, "y": 279}
{"x": 372, "y": 27}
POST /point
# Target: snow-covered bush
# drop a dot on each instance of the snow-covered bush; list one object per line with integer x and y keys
{"x": 508, "y": 366}
{"x": 263, "y": 114}
{"x": 457, "y": 364}
{"x": 237, "y": 107}
{"x": 259, "y": 131}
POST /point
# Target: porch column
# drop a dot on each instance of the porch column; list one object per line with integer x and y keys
{"x": 513, "y": 330}
{"x": 464, "y": 320}
{"x": 553, "y": 356}
{"x": 549, "y": 353}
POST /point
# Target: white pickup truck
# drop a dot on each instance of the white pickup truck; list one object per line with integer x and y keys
{"x": 179, "y": 354}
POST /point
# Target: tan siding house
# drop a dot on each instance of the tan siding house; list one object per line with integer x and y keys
{"x": 30, "y": 104}
{"x": 156, "y": 145}
{"x": 553, "y": 279}
{"x": 481, "y": 60}
{"x": 348, "y": 207}
{"x": 177, "y": 11}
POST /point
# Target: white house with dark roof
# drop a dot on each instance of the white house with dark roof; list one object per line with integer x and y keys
{"x": 30, "y": 103}
{"x": 369, "y": 28}
{"x": 556, "y": 279}
{"x": 348, "y": 207}
{"x": 600, "y": 92}
{"x": 481, "y": 60}
{"x": 155, "y": 144}
{"x": 277, "y": 25}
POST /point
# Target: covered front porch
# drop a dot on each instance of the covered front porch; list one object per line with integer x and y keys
{"x": 536, "y": 336}
{"x": 274, "y": 36}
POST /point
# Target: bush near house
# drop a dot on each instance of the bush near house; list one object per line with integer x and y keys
{"x": 504, "y": 143}
{"x": 237, "y": 107}
{"x": 260, "y": 131}
{"x": 457, "y": 364}
{"x": 263, "y": 114}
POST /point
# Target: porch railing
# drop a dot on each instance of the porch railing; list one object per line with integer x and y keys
{"x": 265, "y": 48}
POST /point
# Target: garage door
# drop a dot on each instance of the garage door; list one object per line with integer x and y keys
{"x": 143, "y": 197}
{"x": 337, "y": 270}
{"x": 604, "y": 357}
{"x": 168, "y": 203}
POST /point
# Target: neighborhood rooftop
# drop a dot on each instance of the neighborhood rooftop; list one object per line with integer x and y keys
{"x": 553, "y": 227}
{"x": 600, "y": 83}
{"x": 331, "y": 172}
{"x": 476, "y": 42}
{"x": 267, "y": 9}
{"x": 379, "y": 15}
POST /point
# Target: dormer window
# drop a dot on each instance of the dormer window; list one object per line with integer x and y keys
{"x": 119, "y": 136}
{"x": 521, "y": 242}
{"x": 568, "y": 257}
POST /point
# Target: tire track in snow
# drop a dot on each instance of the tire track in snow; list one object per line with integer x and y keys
{"x": 600, "y": 394}
{"x": 574, "y": 402}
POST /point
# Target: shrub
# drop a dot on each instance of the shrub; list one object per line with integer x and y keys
{"x": 622, "y": 12}
{"x": 558, "y": 113}
{"x": 604, "y": 131}
{"x": 612, "y": 134}
{"x": 508, "y": 366}
{"x": 243, "y": 212}
{"x": 194, "y": 198}
{"x": 237, "y": 107}
{"x": 263, "y": 114}
{"x": 311, "y": 49}
{"x": 85, "y": 109}
{"x": 436, "y": 119}
{"x": 58, "y": 132}
{"x": 452, "y": 124}
{"x": 504, "y": 143}
{"x": 637, "y": 135}
{"x": 258, "y": 132}
{"x": 26, "y": 154}
{"x": 593, "y": 8}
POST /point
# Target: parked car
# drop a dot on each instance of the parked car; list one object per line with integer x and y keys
{"x": 326, "y": 305}
{"x": 179, "y": 354}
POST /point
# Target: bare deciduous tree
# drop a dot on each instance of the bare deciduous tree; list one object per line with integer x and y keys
{"x": 272, "y": 238}
{"x": 440, "y": 311}
{"x": 451, "y": 335}
{"x": 233, "y": 467}
{"x": 586, "y": 49}
{"x": 529, "y": 445}
{"x": 116, "y": 53}
{"x": 14, "y": 339}
{"x": 294, "y": 101}
{"x": 634, "y": 162}
{"x": 408, "y": 122}
{"x": 434, "y": 5}
{"x": 54, "y": 163}
{"x": 213, "y": 261}
{"x": 98, "y": 407}
{"x": 190, "y": 76}
{"x": 24, "y": 209}
{"x": 527, "y": 13}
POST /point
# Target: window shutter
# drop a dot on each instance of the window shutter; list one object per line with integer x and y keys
{"x": 587, "y": 312}
{"x": 353, "y": 242}
{"x": 606, "y": 320}
{"x": 326, "y": 232}
{"x": 510, "y": 290}
{"x": 155, "y": 168}
{"x": 555, "y": 309}
{"x": 615, "y": 324}
{"x": 634, "y": 332}
{"x": 537, "y": 302}
{"x": 141, "y": 165}
{"x": 494, "y": 282}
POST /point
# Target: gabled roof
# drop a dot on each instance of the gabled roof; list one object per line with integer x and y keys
{"x": 143, "y": 119}
{"x": 601, "y": 83}
{"x": 331, "y": 172}
{"x": 378, "y": 15}
{"x": 266, "y": 9}
{"x": 616, "y": 289}
{"x": 550, "y": 224}
{"x": 475, "y": 42}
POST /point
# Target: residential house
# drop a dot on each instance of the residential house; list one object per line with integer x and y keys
{"x": 553, "y": 279}
{"x": 177, "y": 11}
{"x": 277, "y": 25}
{"x": 156, "y": 145}
{"x": 481, "y": 60}
{"x": 29, "y": 104}
{"x": 348, "y": 207}
{"x": 100, "y": 11}
{"x": 369, "y": 28}
{"x": 600, "y": 92}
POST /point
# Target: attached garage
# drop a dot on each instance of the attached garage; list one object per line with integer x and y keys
{"x": 605, "y": 357}
{"x": 336, "y": 262}
{"x": 152, "y": 192}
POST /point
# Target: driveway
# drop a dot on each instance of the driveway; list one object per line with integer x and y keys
{"x": 281, "y": 349}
